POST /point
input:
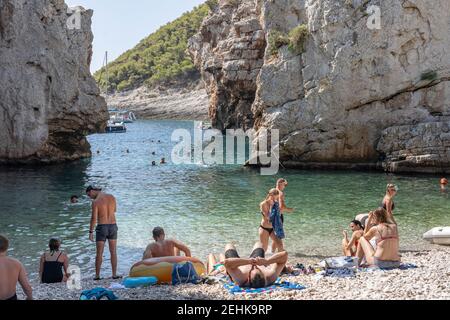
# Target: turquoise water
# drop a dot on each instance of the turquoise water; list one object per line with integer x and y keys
{"x": 206, "y": 207}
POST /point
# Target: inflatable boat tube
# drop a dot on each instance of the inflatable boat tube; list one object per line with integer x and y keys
{"x": 162, "y": 268}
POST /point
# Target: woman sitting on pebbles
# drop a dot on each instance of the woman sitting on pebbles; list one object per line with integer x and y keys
{"x": 386, "y": 254}
{"x": 53, "y": 264}
{"x": 349, "y": 247}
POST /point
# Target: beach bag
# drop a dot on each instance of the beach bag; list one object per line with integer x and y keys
{"x": 98, "y": 294}
{"x": 184, "y": 273}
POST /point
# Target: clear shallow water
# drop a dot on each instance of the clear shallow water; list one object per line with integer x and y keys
{"x": 206, "y": 207}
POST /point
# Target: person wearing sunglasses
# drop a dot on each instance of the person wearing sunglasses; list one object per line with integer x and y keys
{"x": 349, "y": 247}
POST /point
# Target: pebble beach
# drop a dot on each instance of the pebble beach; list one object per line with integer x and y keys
{"x": 429, "y": 281}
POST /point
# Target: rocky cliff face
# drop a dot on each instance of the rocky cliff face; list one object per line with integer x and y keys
{"x": 49, "y": 101}
{"x": 354, "y": 97}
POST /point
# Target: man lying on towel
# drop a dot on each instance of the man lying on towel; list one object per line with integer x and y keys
{"x": 257, "y": 271}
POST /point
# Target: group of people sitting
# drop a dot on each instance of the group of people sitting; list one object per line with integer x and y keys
{"x": 375, "y": 239}
{"x": 375, "y": 242}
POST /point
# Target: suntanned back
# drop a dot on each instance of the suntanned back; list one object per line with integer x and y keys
{"x": 164, "y": 248}
{"x": 106, "y": 205}
{"x": 9, "y": 274}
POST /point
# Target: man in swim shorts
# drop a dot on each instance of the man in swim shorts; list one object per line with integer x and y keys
{"x": 256, "y": 271}
{"x": 11, "y": 272}
{"x": 164, "y": 248}
{"x": 103, "y": 223}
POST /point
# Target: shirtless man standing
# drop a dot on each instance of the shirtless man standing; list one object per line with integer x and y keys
{"x": 104, "y": 216}
{"x": 11, "y": 272}
{"x": 256, "y": 271}
{"x": 164, "y": 248}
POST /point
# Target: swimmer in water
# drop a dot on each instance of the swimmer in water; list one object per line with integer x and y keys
{"x": 444, "y": 183}
{"x": 74, "y": 199}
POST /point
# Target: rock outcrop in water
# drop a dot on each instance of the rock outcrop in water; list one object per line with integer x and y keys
{"x": 354, "y": 97}
{"x": 49, "y": 101}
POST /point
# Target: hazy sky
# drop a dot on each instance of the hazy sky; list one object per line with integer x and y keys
{"x": 120, "y": 25}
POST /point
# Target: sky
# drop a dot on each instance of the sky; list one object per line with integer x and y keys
{"x": 120, "y": 25}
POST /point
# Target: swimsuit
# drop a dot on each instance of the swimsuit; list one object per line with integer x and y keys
{"x": 383, "y": 205}
{"x": 13, "y": 298}
{"x": 52, "y": 272}
{"x": 106, "y": 231}
{"x": 269, "y": 230}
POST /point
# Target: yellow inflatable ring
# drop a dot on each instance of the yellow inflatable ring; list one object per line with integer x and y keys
{"x": 162, "y": 268}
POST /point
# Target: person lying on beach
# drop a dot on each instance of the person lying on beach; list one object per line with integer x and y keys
{"x": 349, "y": 247}
{"x": 164, "y": 248}
{"x": 11, "y": 273}
{"x": 53, "y": 263}
{"x": 256, "y": 271}
{"x": 266, "y": 230}
{"x": 386, "y": 254}
{"x": 104, "y": 208}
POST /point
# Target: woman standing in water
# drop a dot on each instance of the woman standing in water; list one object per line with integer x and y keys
{"x": 388, "y": 201}
{"x": 266, "y": 229}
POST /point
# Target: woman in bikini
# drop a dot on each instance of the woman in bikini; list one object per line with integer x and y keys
{"x": 349, "y": 247}
{"x": 386, "y": 254}
{"x": 388, "y": 201}
{"x": 266, "y": 230}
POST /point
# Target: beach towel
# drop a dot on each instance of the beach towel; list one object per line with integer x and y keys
{"x": 277, "y": 223}
{"x": 279, "y": 285}
{"x": 184, "y": 273}
{"x": 339, "y": 262}
{"x": 98, "y": 294}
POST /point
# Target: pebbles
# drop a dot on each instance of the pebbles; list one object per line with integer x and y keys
{"x": 429, "y": 281}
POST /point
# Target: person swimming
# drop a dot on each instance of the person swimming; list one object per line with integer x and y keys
{"x": 53, "y": 263}
{"x": 74, "y": 199}
{"x": 349, "y": 247}
{"x": 266, "y": 231}
{"x": 386, "y": 252}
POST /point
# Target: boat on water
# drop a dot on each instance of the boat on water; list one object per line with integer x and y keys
{"x": 124, "y": 116}
{"x": 439, "y": 235}
{"x": 115, "y": 127}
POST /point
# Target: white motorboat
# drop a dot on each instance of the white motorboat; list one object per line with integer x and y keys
{"x": 116, "y": 127}
{"x": 439, "y": 235}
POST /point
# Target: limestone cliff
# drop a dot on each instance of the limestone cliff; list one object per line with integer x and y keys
{"x": 49, "y": 101}
{"x": 353, "y": 97}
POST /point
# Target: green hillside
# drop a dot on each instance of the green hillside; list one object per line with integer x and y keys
{"x": 159, "y": 58}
